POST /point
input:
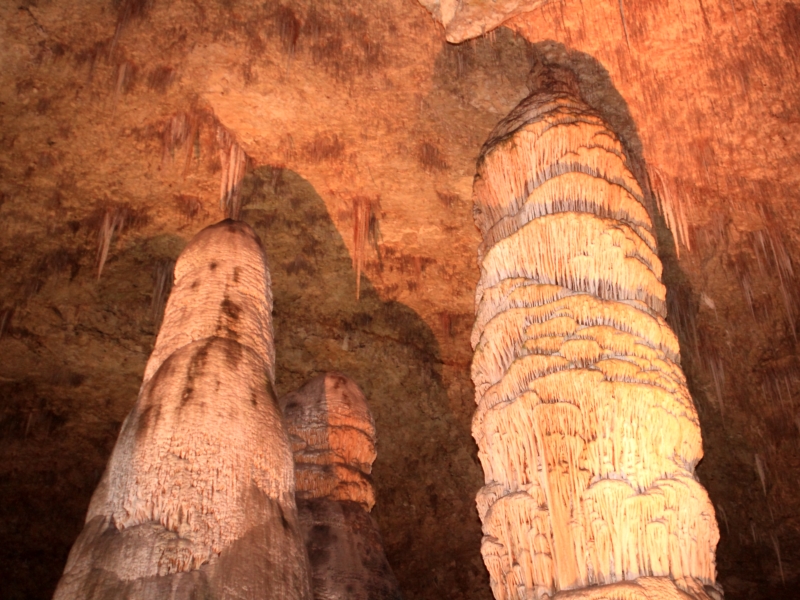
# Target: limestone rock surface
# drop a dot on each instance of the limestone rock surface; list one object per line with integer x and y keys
{"x": 111, "y": 112}
{"x": 467, "y": 19}
{"x": 198, "y": 497}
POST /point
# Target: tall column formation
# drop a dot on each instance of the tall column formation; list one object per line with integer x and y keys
{"x": 333, "y": 438}
{"x": 586, "y": 431}
{"x": 198, "y": 497}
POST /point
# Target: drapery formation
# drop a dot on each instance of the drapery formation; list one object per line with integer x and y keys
{"x": 586, "y": 431}
{"x": 333, "y": 438}
{"x": 197, "y": 499}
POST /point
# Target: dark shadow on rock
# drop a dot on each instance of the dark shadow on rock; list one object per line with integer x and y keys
{"x": 425, "y": 474}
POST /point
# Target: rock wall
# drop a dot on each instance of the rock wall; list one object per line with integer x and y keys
{"x": 586, "y": 431}
{"x": 198, "y": 496}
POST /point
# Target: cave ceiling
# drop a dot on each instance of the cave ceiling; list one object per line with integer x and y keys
{"x": 361, "y": 124}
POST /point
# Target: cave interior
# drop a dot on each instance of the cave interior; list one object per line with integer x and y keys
{"x": 346, "y": 135}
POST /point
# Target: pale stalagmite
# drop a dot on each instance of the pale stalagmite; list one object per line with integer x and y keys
{"x": 198, "y": 497}
{"x": 333, "y": 437}
{"x": 586, "y": 431}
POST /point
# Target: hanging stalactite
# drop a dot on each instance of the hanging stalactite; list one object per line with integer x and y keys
{"x": 586, "y": 431}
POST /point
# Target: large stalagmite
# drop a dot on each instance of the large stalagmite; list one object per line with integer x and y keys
{"x": 586, "y": 431}
{"x": 198, "y": 497}
{"x": 333, "y": 437}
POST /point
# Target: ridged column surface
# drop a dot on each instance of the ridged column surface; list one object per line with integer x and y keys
{"x": 586, "y": 431}
{"x": 197, "y": 500}
{"x": 333, "y": 437}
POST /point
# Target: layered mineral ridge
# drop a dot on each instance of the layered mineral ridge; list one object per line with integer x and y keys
{"x": 197, "y": 500}
{"x": 333, "y": 437}
{"x": 586, "y": 431}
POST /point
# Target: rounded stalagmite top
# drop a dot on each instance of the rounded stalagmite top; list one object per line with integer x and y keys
{"x": 332, "y": 433}
{"x": 222, "y": 289}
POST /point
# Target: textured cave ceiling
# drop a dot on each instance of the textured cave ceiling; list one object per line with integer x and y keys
{"x": 341, "y": 106}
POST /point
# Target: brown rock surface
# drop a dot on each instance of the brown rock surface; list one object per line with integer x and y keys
{"x": 119, "y": 111}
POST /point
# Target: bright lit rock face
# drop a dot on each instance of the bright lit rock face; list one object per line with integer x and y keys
{"x": 466, "y": 19}
{"x": 333, "y": 437}
{"x": 586, "y": 431}
{"x": 198, "y": 497}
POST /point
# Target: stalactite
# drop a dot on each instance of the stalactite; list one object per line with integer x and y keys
{"x": 333, "y": 437}
{"x": 162, "y": 286}
{"x": 113, "y": 222}
{"x": 586, "y": 431}
{"x": 234, "y": 164}
{"x": 777, "y": 549}
{"x": 198, "y": 495}
{"x": 362, "y": 217}
{"x": 180, "y": 133}
{"x": 671, "y": 206}
{"x": 761, "y": 475}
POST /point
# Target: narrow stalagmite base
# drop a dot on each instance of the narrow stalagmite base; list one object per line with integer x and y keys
{"x": 197, "y": 500}
{"x": 644, "y": 588}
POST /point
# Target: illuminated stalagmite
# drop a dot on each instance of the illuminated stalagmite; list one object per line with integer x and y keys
{"x": 586, "y": 431}
{"x": 197, "y": 500}
{"x": 333, "y": 437}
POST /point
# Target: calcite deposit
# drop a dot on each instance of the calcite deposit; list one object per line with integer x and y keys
{"x": 197, "y": 499}
{"x": 346, "y": 134}
{"x": 333, "y": 437}
{"x": 586, "y": 431}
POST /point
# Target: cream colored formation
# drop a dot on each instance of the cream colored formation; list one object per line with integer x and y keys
{"x": 198, "y": 497}
{"x": 586, "y": 431}
{"x": 333, "y": 437}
